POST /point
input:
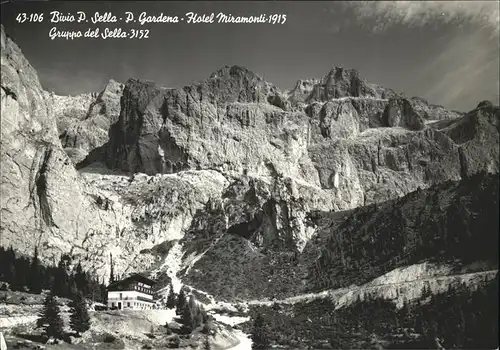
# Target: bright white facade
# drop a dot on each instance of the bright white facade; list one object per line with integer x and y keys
{"x": 130, "y": 300}
{"x": 134, "y": 292}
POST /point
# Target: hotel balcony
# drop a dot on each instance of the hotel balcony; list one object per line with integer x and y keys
{"x": 130, "y": 298}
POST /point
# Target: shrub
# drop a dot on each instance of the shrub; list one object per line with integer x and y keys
{"x": 209, "y": 328}
{"x": 173, "y": 341}
{"x": 109, "y": 338}
{"x": 259, "y": 336}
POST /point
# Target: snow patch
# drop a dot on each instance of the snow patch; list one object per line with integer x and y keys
{"x": 245, "y": 341}
{"x": 161, "y": 317}
{"x": 194, "y": 258}
{"x": 172, "y": 265}
{"x": 230, "y": 320}
{"x": 411, "y": 273}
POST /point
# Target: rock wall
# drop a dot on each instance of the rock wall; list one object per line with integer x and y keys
{"x": 45, "y": 202}
{"x": 358, "y": 147}
{"x": 83, "y": 121}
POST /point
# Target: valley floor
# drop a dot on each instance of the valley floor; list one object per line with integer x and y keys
{"x": 133, "y": 329}
{"x": 136, "y": 329}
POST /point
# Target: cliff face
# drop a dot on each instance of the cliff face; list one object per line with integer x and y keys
{"x": 340, "y": 82}
{"x": 221, "y": 175}
{"x": 46, "y": 203}
{"x": 83, "y": 121}
{"x": 225, "y": 123}
{"x": 358, "y": 148}
{"x": 453, "y": 224}
{"x": 30, "y": 151}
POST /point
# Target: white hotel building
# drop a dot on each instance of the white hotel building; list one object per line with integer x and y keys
{"x": 134, "y": 292}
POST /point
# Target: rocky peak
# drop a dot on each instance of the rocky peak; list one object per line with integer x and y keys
{"x": 302, "y": 90}
{"x": 83, "y": 121}
{"x": 339, "y": 83}
{"x": 232, "y": 84}
{"x": 13, "y": 57}
{"x": 339, "y": 73}
{"x": 113, "y": 87}
{"x": 305, "y": 84}
{"x": 484, "y": 103}
{"x": 234, "y": 72}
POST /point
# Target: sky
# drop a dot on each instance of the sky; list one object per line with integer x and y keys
{"x": 444, "y": 51}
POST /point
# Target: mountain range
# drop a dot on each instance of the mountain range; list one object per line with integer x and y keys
{"x": 247, "y": 192}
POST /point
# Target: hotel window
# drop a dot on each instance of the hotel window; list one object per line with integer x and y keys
{"x": 112, "y": 304}
{"x": 128, "y": 304}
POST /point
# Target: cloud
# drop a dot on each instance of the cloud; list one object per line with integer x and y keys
{"x": 461, "y": 67}
{"x": 421, "y": 13}
{"x": 465, "y": 72}
{"x": 66, "y": 81}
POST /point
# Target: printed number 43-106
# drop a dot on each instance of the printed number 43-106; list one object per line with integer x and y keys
{"x": 32, "y": 17}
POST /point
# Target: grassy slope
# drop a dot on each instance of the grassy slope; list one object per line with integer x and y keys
{"x": 460, "y": 318}
{"x": 450, "y": 222}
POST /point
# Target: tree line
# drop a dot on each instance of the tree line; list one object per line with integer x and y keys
{"x": 189, "y": 312}
{"x": 460, "y": 318}
{"x": 30, "y": 275}
{"x": 191, "y": 315}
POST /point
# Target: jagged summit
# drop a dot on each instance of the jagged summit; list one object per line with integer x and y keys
{"x": 484, "y": 103}
{"x": 112, "y": 84}
{"x": 135, "y": 81}
{"x": 338, "y": 82}
{"x": 235, "y": 71}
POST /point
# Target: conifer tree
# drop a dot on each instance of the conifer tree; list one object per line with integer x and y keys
{"x": 21, "y": 272}
{"x": 79, "y": 319}
{"x": 61, "y": 285}
{"x": 186, "y": 318}
{"x": 171, "y": 300}
{"x": 111, "y": 274}
{"x": 426, "y": 291}
{"x": 197, "y": 317}
{"x": 82, "y": 284}
{"x": 206, "y": 343}
{"x": 181, "y": 302}
{"x": 9, "y": 267}
{"x": 50, "y": 318}
{"x": 72, "y": 288}
{"x": 192, "y": 305}
{"x": 259, "y": 337}
{"x": 196, "y": 312}
{"x": 10, "y": 272}
{"x": 104, "y": 293}
{"x": 35, "y": 282}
